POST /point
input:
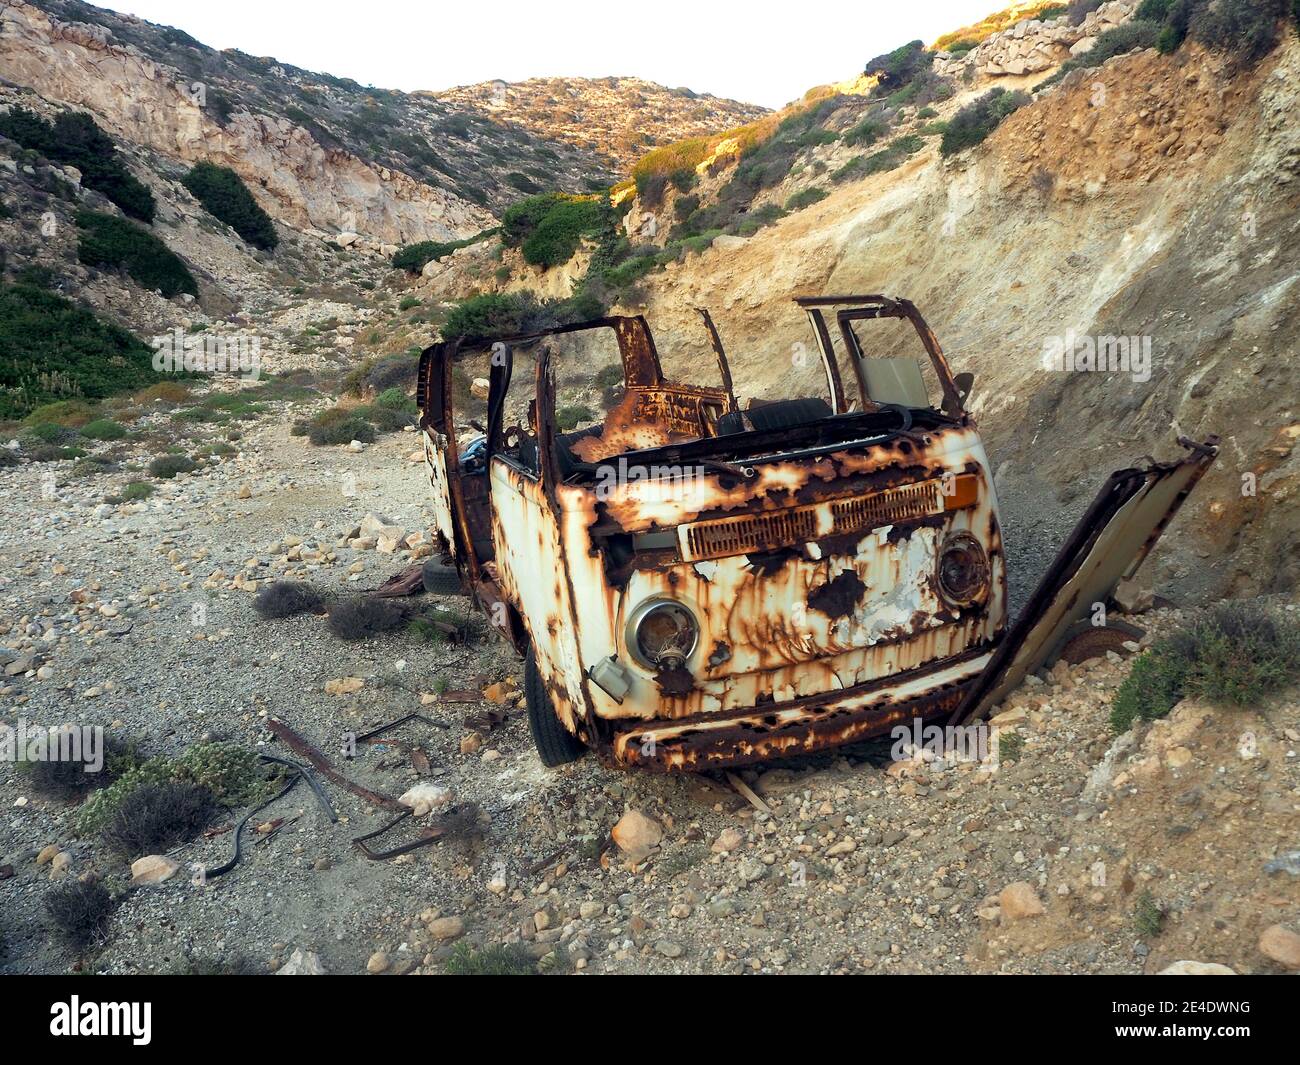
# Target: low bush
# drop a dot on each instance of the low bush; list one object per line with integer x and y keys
{"x": 362, "y": 618}
{"x": 108, "y": 241}
{"x": 225, "y": 196}
{"x": 502, "y": 313}
{"x": 47, "y": 433}
{"x": 156, "y": 817}
{"x": 341, "y": 431}
{"x": 132, "y": 492}
{"x": 974, "y": 122}
{"x": 164, "y": 393}
{"x": 465, "y": 960}
{"x": 1148, "y": 917}
{"x": 284, "y": 599}
{"x": 1247, "y": 29}
{"x": 67, "y": 778}
{"x": 386, "y": 419}
{"x": 395, "y": 399}
{"x": 165, "y": 467}
{"x": 889, "y": 158}
{"x": 571, "y": 416}
{"x": 1235, "y": 655}
{"x": 103, "y": 429}
{"x": 79, "y": 912}
{"x": 64, "y": 412}
{"x": 414, "y": 257}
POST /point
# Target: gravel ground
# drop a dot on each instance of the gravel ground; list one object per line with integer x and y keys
{"x": 857, "y": 862}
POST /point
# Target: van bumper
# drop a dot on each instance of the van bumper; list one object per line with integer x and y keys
{"x": 801, "y": 726}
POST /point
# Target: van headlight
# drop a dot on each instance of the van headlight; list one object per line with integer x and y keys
{"x": 963, "y": 572}
{"x": 662, "y": 634}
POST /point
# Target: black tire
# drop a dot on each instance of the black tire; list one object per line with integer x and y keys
{"x": 440, "y": 579}
{"x": 555, "y": 744}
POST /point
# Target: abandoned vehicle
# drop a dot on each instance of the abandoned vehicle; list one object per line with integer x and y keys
{"x": 697, "y": 583}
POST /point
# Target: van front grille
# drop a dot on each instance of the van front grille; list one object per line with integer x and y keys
{"x": 784, "y": 528}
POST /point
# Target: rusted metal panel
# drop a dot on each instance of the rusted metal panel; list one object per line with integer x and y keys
{"x": 803, "y": 727}
{"x": 1109, "y": 543}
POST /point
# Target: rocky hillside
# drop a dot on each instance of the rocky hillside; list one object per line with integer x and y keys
{"x": 620, "y": 117}
{"x": 320, "y": 152}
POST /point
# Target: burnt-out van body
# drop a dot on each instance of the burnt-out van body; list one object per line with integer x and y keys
{"x": 697, "y": 582}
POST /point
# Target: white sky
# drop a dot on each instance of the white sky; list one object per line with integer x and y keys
{"x": 760, "y": 53}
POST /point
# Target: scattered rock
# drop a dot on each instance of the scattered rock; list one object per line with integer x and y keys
{"x": 637, "y": 835}
{"x": 1282, "y": 945}
{"x": 153, "y": 869}
{"x": 1019, "y": 901}
{"x": 444, "y": 928}
{"x": 302, "y": 963}
{"x": 1196, "y": 968}
{"x": 426, "y": 797}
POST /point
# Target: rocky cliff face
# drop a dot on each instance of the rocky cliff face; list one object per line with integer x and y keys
{"x": 297, "y": 179}
{"x": 1033, "y": 45}
{"x": 620, "y": 117}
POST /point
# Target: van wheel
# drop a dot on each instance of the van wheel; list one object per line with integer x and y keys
{"x": 555, "y": 745}
{"x": 440, "y": 579}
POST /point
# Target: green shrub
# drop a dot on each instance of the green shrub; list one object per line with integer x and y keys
{"x": 496, "y": 314}
{"x": 71, "y": 413}
{"x": 47, "y": 433}
{"x": 571, "y": 416}
{"x": 1247, "y": 29}
{"x": 133, "y": 492}
{"x": 559, "y": 233}
{"x": 414, "y": 257}
{"x": 889, "y": 158}
{"x": 899, "y": 68}
{"x": 1148, "y": 917}
{"x": 866, "y": 132}
{"x": 465, "y": 960}
{"x": 341, "y": 431}
{"x": 109, "y": 241}
{"x": 1153, "y": 10}
{"x": 231, "y": 774}
{"x": 1235, "y": 655}
{"x": 74, "y": 139}
{"x": 165, "y": 467}
{"x": 225, "y": 196}
{"x": 103, "y": 429}
{"x": 1240, "y": 653}
{"x": 385, "y": 419}
{"x": 523, "y": 216}
{"x": 395, "y": 399}
{"x": 805, "y": 198}
{"x": 1152, "y": 688}
{"x": 974, "y": 122}
{"x": 51, "y": 348}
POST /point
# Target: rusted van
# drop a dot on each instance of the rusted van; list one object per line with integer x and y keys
{"x": 695, "y": 581}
